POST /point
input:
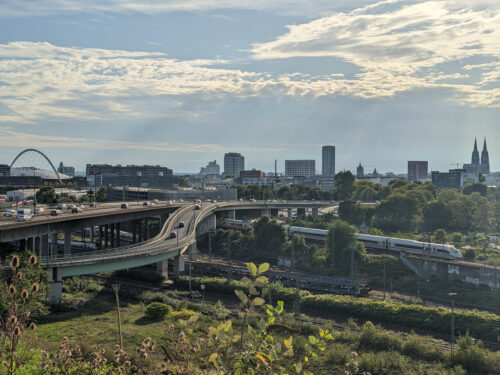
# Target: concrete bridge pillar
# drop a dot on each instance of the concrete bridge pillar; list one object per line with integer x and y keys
{"x": 193, "y": 252}
{"x": 162, "y": 268}
{"x": 53, "y": 243}
{"x": 100, "y": 236}
{"x": 231, "y": 214}
{"x": 315, "y": 212}
{"x": 301, "y": 212}
{"x": 45, "y": 245}
{"x": 37, "y": 246}
{"x": 112, "y": 234}
{"x": 290, "y": 213}
{"x": 92, "y": 237}
{"x": 146, "y": 228}
{"x": 178, "y": 266}
{"x": 118, "y": 234}
{"x": 67, "y": 241}
{"x": 55, "y": 286}
{"x": 134, "y": 231}
{"x": 106, "y": 238}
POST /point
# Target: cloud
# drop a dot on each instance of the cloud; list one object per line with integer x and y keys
{"x": 402, "y": 45}
{"x": 29, "y": 8}
{"x": 13, "y": 138}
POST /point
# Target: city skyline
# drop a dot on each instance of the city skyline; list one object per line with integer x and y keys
{"x": 182, "y": 83}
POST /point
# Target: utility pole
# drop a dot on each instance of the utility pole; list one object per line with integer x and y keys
{"x": 384, "y": 281}
{"x": 116, "y": 288}
{"x": 452, "y": 295}
{"x": 229, "y": 255}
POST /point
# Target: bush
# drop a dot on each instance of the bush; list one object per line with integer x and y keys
{"x": 182, "y": 314}
{"x": 157, "y": 310}
{"x": 140, "y": 275}
{"x": 379, "y": 339}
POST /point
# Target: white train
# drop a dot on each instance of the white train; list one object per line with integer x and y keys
{"x": 387, "y": 243}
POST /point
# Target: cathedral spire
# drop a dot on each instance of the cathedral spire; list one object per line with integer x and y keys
{"x": 484, "y": 146}
{"x": 485, "y": 159}
{"x": 475, "y": 154}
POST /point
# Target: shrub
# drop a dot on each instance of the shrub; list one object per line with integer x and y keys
{"x": 379, "y": 339}
{"x": 157, "y": 310}
{"x": 182, "y": 314}
{"x": 140, "y": 275}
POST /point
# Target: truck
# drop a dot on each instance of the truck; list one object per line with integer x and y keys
{"x": 24, "y": 214}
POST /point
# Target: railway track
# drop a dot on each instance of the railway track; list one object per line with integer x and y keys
{"x": 439, "y": 339}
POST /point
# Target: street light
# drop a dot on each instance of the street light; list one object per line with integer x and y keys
{"x": 203, "y": 292}
{"x": 452, "y": 295}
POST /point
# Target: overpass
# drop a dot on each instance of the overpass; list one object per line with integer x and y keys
{"x": 40, "y": 235}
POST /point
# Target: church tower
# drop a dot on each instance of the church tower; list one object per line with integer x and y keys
{"x": 485, "y": 160}
{"x": 475, "y": 154}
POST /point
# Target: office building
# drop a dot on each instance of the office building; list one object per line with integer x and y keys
{"x": 328, "y": 161}
{"x": 69, "y": 171}
{"x": 233, "y": 164}
{"x": 300, "y": 168}
{"x": 254, "y": 173}
{"x": 130, "y": 175}
{"x": 212, "y": 169}
{"x": 417, "y": 170}
{"x": 4, "y": 170}
{"x": 454, "y": 179}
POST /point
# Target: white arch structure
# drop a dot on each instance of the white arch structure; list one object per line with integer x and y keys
{"x": 41, "y": 153}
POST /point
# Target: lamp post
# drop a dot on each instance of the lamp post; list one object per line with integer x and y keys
{"x": 452, "y": 295}
{"x": 203, "y": 292}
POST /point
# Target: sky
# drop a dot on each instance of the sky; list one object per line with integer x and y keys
{"x": 181, "y": 82}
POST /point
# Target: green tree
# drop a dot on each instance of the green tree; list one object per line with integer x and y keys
{"x": 436, "y": 214}
{"x": 475, "y": 187}
{"x": 46, "y": 195}
{"x": 269, "y": 236}
{"x": 397, "y": 213}
{"x": 344, "y": 184}
{"x": 340, "y": 241}
{"x": 101, "y": 195}
{"x": 439, "y": 236}
{"x": 351, "y": 212}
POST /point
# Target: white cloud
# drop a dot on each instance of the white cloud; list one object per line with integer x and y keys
{"x": 403, "y": 47}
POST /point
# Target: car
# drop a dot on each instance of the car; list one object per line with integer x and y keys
{"x": 61, "y": 206}
{"x": 124, "y": 205}
{"x": 197, "y": 201}
{"x": 146, "y": 204}
{"x": 38, "y": 210}
{"x": 155, "y": 201}
{"x": 169, "y": 202}
{"x": 197, "y": 207}
{"x": 181, "y": 224}
{"x": 91, "y": 204}
{"x": 181, "y": 200}
{"x": 69, "y": 207}
{"x": 9, "y": 213}
{"x": 173, "y": 235}
{"x": 76, "y": 210}
{"x": 55, "y": 212}
{"x": 214, "y": 201}
{"x": 207, "y": 200}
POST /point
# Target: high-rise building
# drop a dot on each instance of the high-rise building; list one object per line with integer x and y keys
{"x": 212, "y": 169}
{"x": 233, "y": 163}
{"x": 417, "y": 170}
{"x": 328, "y": 160}
{"x": 300, "y": 168}
{"x": 360, "y": 172}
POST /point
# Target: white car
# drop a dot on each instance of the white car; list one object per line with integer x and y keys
{"x": 38, "y": 210}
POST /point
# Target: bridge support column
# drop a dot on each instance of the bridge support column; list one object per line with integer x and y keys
{"x": 100, "y": 236}
{"x": 134, "y": 231}
{"x": 301, "y": 212}
{"x": 193, "y": 252}
{"x": 315, "y": 212}
{"x": 146, "y": 228}
{"x": 106, "y": 239}
{"x": 117, "y": 234}
{"x": 178, "y": 266}
{"x": 265, "y": 212}
{"x": 290, "y": 213}
{"x": 274, "y": 212}
{"x": 67, "y": 241}
{"x": 53, "y": 243}
{"x": 231, "y": 214}
{"x": 112, "y": 228}
{"x": 162, "y": 268}
{"x": 45, "y": 245}
{"x": 55, "y": 287}
{"x": 92, "y": 237}
{"x": 37, "y": 246}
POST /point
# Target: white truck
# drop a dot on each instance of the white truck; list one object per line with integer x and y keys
{"x": 24, "y": 214}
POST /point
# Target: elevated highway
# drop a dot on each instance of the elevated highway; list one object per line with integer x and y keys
{"x": 197, "y": 219}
